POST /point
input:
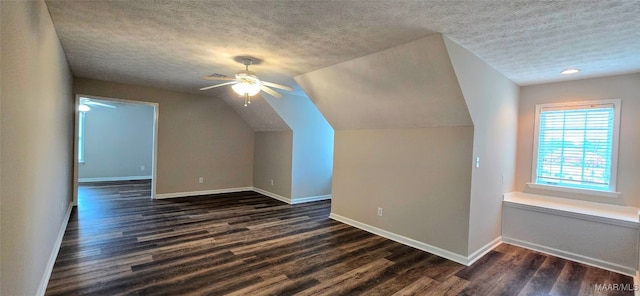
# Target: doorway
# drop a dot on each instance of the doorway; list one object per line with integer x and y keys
{"x": 115, "y": 142}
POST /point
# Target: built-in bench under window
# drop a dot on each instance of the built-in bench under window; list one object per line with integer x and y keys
{"x": 597, "y": 234}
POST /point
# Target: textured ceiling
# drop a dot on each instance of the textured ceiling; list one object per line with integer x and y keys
{"x": 170, "y": 44}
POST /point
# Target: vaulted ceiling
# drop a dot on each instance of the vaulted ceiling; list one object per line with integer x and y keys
{"x": 170, "y": 44}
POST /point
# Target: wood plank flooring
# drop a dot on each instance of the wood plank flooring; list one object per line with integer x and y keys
{"x": 119, "y": 242}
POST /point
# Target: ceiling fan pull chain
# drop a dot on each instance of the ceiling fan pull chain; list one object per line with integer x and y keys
{"x": 246, "y": 99}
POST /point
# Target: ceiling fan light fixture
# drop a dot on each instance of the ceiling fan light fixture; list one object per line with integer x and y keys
{"x": 246, "y": 88}
{"x": 84, "y": 108}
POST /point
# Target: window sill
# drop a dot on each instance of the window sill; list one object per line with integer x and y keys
{"x": 599, "y": 193}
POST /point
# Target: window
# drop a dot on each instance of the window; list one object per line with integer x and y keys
{"x": 576, "y": 146}
{"x": 81, "y": 120}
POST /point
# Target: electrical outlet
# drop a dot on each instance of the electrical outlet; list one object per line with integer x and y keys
{"x": 142, "y": 168}
{"x": 201, "y": 180}
{"x": 477, "y": 162}
{"x": 380, "y": 212}
{"x": 271, "y": 182}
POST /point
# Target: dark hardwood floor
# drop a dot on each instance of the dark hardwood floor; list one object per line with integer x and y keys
{"x": 119, "y": 242}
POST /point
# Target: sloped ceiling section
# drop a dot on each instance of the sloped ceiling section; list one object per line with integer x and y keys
{"x": 259, "y": 115}
{"x": 409, "y": 86}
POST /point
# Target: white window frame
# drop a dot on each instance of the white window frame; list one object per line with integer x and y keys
{"x": 611, "y": 192}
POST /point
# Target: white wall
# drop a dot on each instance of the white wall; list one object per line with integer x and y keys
{"x": 625, "y": 87}
{"x": 37, "y": 111}
{"x": 312, "y": 155}
{"x": 118, "y": 141}
{"x": 198, "y": 136}
{"x": 492, "y": 100}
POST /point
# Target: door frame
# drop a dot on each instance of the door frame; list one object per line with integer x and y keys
{"x": 154, "y": 154}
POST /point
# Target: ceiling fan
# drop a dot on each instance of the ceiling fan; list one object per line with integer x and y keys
{"x": 86, "y": 103}
{"x": 247, "y": 84}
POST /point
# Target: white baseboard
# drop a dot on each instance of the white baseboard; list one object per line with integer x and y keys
{"x": 484, "y": 250}
{"x": 402, "y": 239}
{"x": 106, "y": 179}
{"x": 310, "y": 199}
{"x": 272, "y": 195}
{"x": 572, "y": 256}
{"x": 203, "y": 192}
{"x": 636, "y": 283}
{"x": 289, "y": 200}
{"x": 239, "y": 189}
{"x": 54, "y": 253}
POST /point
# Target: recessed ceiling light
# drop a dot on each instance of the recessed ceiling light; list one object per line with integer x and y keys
{"x": 570, "y": 71}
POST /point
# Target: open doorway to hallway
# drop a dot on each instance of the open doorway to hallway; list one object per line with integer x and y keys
{"x": 115, "y": 145}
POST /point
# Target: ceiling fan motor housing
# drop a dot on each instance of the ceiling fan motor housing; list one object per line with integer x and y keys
{"x": 247, "y": 75}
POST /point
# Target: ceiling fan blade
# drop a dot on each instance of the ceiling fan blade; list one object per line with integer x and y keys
{"x": 218, "y": 78}
{"x": 99, "y": 104}
{"x": 270, "y": 91}
{"x": 280, "y": 86}
{"x": 217, "y": 85}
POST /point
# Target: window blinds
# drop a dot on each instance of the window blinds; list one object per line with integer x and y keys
{"x": 575, "y": 146}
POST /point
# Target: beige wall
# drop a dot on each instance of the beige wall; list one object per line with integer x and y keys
{"x": 624, "y": 87}
{"x": 420, "y": 177}
{"x": 37, "y": 151}
{"x": 272, "y": 161}
{"x": 198, "y": 136}
{"x": 403, "y": 141}
{"x": 0, "y": 150}
{"x": 492, "y": 100}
